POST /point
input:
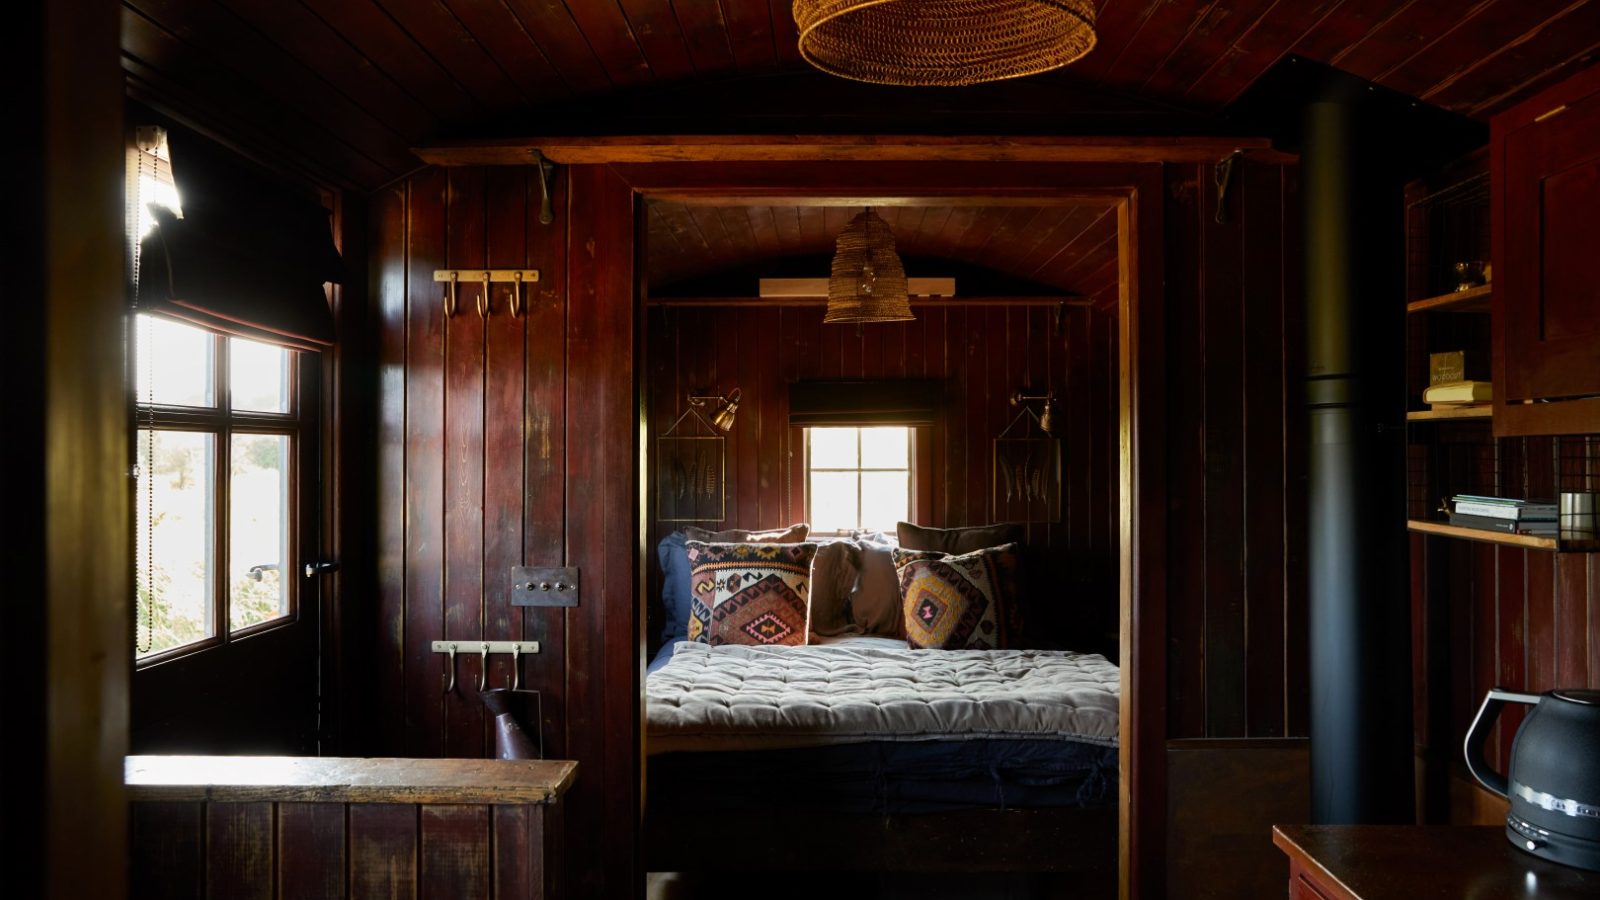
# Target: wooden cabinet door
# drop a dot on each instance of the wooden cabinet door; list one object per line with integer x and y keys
{"x": 1546, "y": 154}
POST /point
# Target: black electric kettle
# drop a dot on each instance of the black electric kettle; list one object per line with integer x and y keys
{"x": 1554, "y": 774}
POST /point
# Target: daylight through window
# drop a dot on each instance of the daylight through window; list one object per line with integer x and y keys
{"x": 217, "y": 427}
{"x": 857, "y": 478}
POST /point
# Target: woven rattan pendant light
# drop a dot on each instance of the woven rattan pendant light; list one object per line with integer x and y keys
{"x": 868, "y": 283}
{"x": 942, "y": 42}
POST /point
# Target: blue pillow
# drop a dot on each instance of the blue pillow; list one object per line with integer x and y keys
{"x": 675, "y": 587}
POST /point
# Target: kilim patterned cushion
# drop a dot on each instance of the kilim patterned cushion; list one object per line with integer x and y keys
{"x": 750, "y": 593}
{"x": 958, "y": 602}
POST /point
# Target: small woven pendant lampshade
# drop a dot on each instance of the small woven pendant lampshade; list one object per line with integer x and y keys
{"x": 868, "y": 283}
{"x": 942, "y": 42}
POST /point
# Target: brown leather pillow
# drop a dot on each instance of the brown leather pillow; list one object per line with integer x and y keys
{"x": 875, "y": 603}
{"x": 833, "y": 574}
{"x": 956, "y": 541}
{"x": 794, "y": 534}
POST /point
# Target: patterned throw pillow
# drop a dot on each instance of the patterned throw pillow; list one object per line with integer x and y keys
{"x": 958, "y": 602}
{"x": 750, "y": 593}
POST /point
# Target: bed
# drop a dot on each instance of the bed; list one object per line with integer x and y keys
{"x": 874, "y": 756}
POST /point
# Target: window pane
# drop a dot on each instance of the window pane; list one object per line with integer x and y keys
{"x": 885, "y": 448}
{"x": 833, "y": 448}
{"x": 258, "y": 376}
{"x": 177, "y": 492}
{"x": 176, "y": 361}
{"x": 833, "y": 501}
{"x": 258, "y": 535}
{"x": 884, "y": 499}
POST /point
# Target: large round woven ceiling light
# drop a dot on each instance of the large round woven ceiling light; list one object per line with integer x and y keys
{"x": 942, "y": 42}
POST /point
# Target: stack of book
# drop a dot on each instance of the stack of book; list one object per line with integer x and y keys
{"x": 1503, "y": 514}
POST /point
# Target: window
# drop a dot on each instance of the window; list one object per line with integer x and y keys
{"x": 857, "y": 478}
{"x": 218, "y": 427}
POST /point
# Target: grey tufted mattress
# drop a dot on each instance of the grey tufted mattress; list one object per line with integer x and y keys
{"x": 761, "y": 698}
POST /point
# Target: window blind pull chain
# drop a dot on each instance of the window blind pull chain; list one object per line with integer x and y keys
{"x": 144, "y": 603}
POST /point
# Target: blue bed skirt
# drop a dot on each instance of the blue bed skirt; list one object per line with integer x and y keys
{"x": 890, "y": 777}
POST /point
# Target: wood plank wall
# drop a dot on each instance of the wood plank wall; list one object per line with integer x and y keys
{"x": 506, "y": 441}
{"x": 263, "y": 850}
{"x": 1236, "y": 455}
{"x": 980, "y": 355}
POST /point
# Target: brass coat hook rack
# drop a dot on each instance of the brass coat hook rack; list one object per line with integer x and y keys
{"x": 517, "y": 650}
{"x": 487, "y": 277}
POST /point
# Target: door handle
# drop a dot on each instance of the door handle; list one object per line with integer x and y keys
{"x": 321, "y": 567}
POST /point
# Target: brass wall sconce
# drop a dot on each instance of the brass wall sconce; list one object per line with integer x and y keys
{"x": 1046, "y": 413}
{"x": 722, "y": 408}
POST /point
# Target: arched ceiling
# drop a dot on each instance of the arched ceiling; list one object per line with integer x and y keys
{"x": 1067, "y": 249}
{"x": 343, "y": 88}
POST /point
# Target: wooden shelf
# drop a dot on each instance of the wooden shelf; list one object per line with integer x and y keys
{"x": 1473, "y": 300}
{"x": 1526, "y": 541}
{"x": 1485, "y": 411}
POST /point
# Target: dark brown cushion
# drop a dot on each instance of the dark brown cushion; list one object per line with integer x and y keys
{"x": 794, "y": 534}
{"x": 875, "y": 604}
{"x": 833, "y": 575}
{"x": 957, "y": 540}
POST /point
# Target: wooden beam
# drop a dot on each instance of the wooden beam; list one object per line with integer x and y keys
{"x": 921, "y": 302}
{"x": 859, "y": 148}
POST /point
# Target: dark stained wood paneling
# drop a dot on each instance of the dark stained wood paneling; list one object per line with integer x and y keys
{"x": 331, "y": 850}
{"x": 455, "y": 852}
{"x": 310, "y": 856}
{"x": 424, "y": 554}
{"x": 604, "y": 637}
{"x": 464, "y": 451}
{"x": 1235, "y": 456}
{"x": 383, "y": 831}
{"x": 239, "y": 844}
{"x": 389, "y": 210}
{"x": 1268, "y": 410}
{"x": 544, "y": 454}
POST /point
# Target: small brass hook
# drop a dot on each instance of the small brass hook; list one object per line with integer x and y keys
{"x": 516, "y": 666}
{"x": 483, "y": 299}
{"x": 516, "y": 293}
{"x": 451, "y": 687}
{"x": 450, "y": 299}
{"x": 483, "y": 670}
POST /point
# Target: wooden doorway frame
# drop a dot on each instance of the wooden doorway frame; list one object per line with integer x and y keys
{"x": 917, "y": 175}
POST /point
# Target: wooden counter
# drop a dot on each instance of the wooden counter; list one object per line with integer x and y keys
{"x": 339, "y": 780}
{"x": 1405, "y": 862}
{"x": 266, "y": 827}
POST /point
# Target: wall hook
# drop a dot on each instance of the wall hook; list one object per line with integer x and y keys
{"x": 516, "y": 666}
{"x": 450, "y": 298}
{"x": 451, "y": 687}
{"x": 1222, "y": 177}
{"x": 516, "y": 294}
{"x": 546, "y": 213}
{"x": 483, "y": 299}
{"x": 483, "y": 669}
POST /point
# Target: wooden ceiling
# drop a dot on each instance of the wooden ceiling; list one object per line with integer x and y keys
{"x": 343, "y": 88}
{"x": 1070, "y": 249}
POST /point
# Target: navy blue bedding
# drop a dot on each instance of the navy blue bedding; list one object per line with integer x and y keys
{"x": 891, "y": 777}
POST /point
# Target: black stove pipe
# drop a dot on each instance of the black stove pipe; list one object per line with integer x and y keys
{"x": 1361, "y": 740}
